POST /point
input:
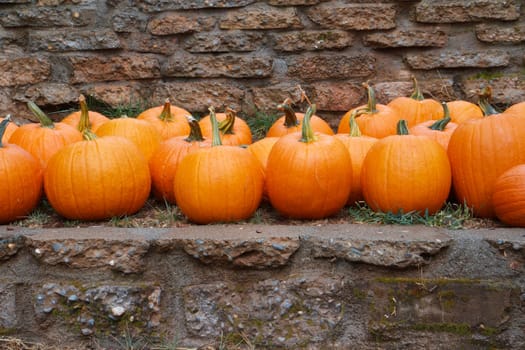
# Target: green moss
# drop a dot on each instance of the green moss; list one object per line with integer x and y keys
{"x": 359, "y": 294}
{"x": 7, "y": 331}
{"x": 486, "y": 75}
{"x": 489, "y": 331}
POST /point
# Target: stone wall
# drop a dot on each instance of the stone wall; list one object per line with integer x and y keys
{"x": 264, "y": 287}
{"x": 250, "y": 55}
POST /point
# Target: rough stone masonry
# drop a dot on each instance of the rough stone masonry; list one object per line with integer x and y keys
{"x": 251, "y": 55}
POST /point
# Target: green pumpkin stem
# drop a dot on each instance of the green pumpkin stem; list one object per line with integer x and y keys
{"x": 226, "y": 126}
{"x": 195, "y": 130}
{"x": 290, "y": 118}
{"x": 484, "y": 98}
{"x": 308, "y": 134}
{"x": 3, "y": 127}
{"x": 216, "y": 134}
{"x": 84, "y": 122}
{"x": 441, "y": 124}
{"x": 166, "y": 115}
{"x": 416, "y": 95}
{"x": 44, "y": 120}
{"x": 402, "y": 127}
{"x": 89, "y": 135}
{"x": 354, "y": 127}
{"x": 371, "y": 107}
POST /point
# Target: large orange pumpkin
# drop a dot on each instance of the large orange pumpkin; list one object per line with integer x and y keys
{"x": 165, "y": 161}
{"x": 261, "y": 150}
{"x": 44, "y": 139}
{"x": 234, "y": 130}
{"x": 291, "y": 122}
{"x": 21, "y": 175}
{"x": 374, "y": 119}
{"x": 220, "y": 183}
{"x": 169, "y": 120}
{"x": 416, "y": 108}
{"x": 461, "y": 111}
{"x": 97, "y": 178}
{"x": 308, "y": 174}
{"x": 518, "y": 109}
{"x": 480, "y": 150}
{"x": 508, "y": 197}
{"x": 406, "y": 173}
{"x": 440, "y": 130}
{"x": 95, "y": 119}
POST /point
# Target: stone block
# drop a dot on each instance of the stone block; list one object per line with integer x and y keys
{"x": 129, "y": 21}
{"x": 8, "y": 319}
{"x": 88, "y": 69}
{"x": 229, "y": 66}
{"x": 506, "y": 89}
{"x": 457, "y": 11}
{"x": 224, "y": 41}
{"x": 336, "y": 96}
{"x": 146, "y": 43}
{"x": 353, "y": 16}
{"x": 406, "y": 38}
{"x": 294, "y": 2}
{"x": 312, "y": 40}
{"x": 268, "y": 97}
{"x": 23, "y": 70}
{"x": 47, "y": 17}
{"x": 116, "y": 94}
{"x": 458, "y": 59}
{"x": 261, "y": 17}
{"x": 60, "y": 40}
{"x": 9, "y": 246}
{"x": 501, "y": 34}
{"x": 331, "y": 66}
{"x": 174, "y": 23}
{"x": 439, "y": 89}
{"x": 48, "y": 94}
{"x": 169, "y": 5}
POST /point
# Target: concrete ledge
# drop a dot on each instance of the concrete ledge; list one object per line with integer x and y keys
{"x": 314, "y": 287}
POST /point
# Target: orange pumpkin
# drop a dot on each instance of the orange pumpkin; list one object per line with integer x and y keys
{"x": 374, "y": 119}
{"x": 143, "y": 134}
{"x": 220, "y": 183}
{"x": 518, "y": 109}
{"x": 261, "y": 150}
{"x": 169, "y": 120}
{"x": 440, "y": 130}
{"x": 9, "y": 130}
{"x": 21, "y": 175}
{"x": 291, "y": 122}
{"x": 508, "y": 197}
{"x": 165, "y": 161}
{"x": 480, "y": 150}
{"x": 95, "y": 119}
{"x": 461, "y": 111}
{"x": 406, "y": 173}
{"x": 44, "y": 139}
{"x": 358, "y": 146}
{"x": 234, "y": 131}
{"x": 416, "y": 109}
{"x": 309, "y": 174}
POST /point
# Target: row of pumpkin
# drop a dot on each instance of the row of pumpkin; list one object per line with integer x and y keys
{"x": 405, "y": 156}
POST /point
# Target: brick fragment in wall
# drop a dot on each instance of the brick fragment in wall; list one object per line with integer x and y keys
{"x": 198, "y": 96}
{"x": 73, "y": 40}
{"x": 23, "y": 70}
{"x": 506, "y": 90}
{"x": 294, "y": 2}
{"x": 173, "y": 23}
{"x": 456, "y": 11}
{"x": 268, "y": 97}
{"x": 440, "y": 89}
{"x": 331, "y": 67}
{"x": 261, "y": 17}
{"x": 458, "y": 59}
{"x": 406, "y": 38}
{"x": 108, "y": 68}
{"x": 353, "y": 16}
{"x": 8, "y": 317}
{"x": 116, "y": 94}
{"x": 129, "y": 20}
{"x": 225, "y": 41}
{"x": 168, "y": 5}
{"x": 48, "y": 94}
{"x": 498, "y": 33}
{"x": 336, "y": 96}
{"x": 47, "y": 17}
{"x": 230, "y": 66}
{"x": 312, "y": 40}
{"x": 146, "y": 43}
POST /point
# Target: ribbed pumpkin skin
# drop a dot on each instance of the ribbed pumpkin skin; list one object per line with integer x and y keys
{"x": 480, "y": 150}
{"x": 261, "y": 150}
{"x": 517, "y": 109}
{"x": 378, "y": 125}
{"x": 43, "y": 142}
{"x": 21, "y": 185}
{"x": 165, "y": 161}
{"x": 461, "y": 111}
{"x": 308, "y": 180}
{"x": 358, "y": 147}
{"x": 415, "y": 111}
{"x": 97, "y": 179}
{"x": 95, "y": 119}
{"x": 508, "y": 197}
{"x": 279, "y": 129}
{"x": 442, "y": 137}
{"x": 178, "y": 126}
{"x": 218, "y": 184}
{"x": 406, "y": 172}
{"x": 242, "y": 134}
{"x": 143, "y": 134}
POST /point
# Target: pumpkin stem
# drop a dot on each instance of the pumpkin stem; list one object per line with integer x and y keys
{"x": 441, "y": 124}
{"x": 84, "y": 122}
{"x": 44, "y": 120}
{"x": 226, "y": 126}
{"x": 195, "y": 130}
{"x": 372, "y": 102}
{"x": 354, "y": 127}
{"x": 3, "y": 126}
{"x": 216, "y": 135}
{"x": 290, "y": 118}
{"x": 304, "y": 97}
{"x": 307, "y": 134}
{"x": 416, "y": 95}
{"x": 484, "y": 96}
{"x": 402, "y": 127}
{"x": 166, "y": 115}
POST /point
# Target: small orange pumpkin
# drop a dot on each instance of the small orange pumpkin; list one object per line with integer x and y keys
{"x": 9, "y": 130}
{"x": 508, "y": 197}
{"x": 234, "y": 131}
{"x": 261, "y": 150}
{"x": 95, "y": 119}
{"x": 461, "y": 111}
{"x": 169, "y": 120}
{"x": 440, "y": 130}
